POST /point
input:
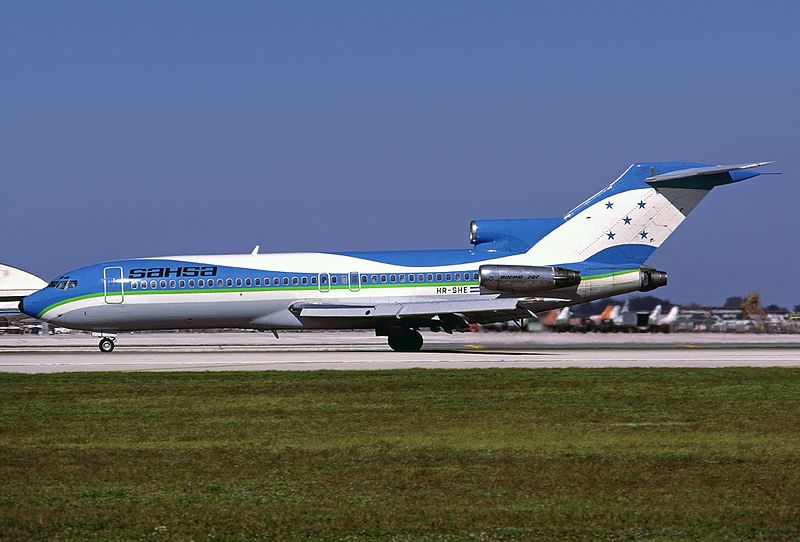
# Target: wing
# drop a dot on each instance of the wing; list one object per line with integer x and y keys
{"x": 455, "y": 314}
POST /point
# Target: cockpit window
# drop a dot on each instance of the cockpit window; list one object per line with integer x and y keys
{"x": 63, "y": 283}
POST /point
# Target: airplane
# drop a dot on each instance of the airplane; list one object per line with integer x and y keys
{"x": 609, "y": 319}
{"x": 668, "y": 319}
{"x": 556, "y": 318}
{"x": 562, "y": 320}
{"x": 655, "y": 315}
{"x": 15, "y": 285}
{"x": 515, "y": 268}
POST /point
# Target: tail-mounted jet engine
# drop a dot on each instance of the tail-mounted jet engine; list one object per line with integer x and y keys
{"x": 526, "y": 278}
{"x": 651, "y": 278}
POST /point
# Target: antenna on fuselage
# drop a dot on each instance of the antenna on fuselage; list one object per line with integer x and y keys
{"x": 255, "y": 250}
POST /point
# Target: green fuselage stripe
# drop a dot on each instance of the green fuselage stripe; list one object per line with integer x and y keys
{"x": 606, "y": 275}
{"x": 225, "y": 290}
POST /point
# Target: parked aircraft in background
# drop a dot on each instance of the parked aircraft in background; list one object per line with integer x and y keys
{"x": 514, "y": 269}
{"x": 664, "y": 323}
{"x": 607, "y": 317}
{"x": 556, "y": 318}
{"x": 655, "y": 314}
{"x": 612, "y": 318}
{"x": 15, "y": 284}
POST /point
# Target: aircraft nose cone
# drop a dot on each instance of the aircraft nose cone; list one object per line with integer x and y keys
{"x": 21, "y": 306}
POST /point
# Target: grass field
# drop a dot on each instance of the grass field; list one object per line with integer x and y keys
{"x": 609, "y": 454}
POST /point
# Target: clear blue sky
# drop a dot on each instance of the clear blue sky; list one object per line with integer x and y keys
{"x": 156, "y": 128}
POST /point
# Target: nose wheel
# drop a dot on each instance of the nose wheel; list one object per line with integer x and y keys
{"x": 106, "y": 345}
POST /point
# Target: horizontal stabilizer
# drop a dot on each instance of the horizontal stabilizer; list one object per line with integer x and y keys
{"x": 707, "y": 170}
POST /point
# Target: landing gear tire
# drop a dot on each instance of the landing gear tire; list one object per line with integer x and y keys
{"x": 106, "y": 345}
{"x": 410, "y": 341}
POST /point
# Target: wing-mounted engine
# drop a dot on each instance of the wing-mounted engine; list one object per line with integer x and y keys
{"x": 526, "y": 278}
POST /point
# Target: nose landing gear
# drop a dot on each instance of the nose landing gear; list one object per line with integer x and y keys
{"x": 107, "y": 344}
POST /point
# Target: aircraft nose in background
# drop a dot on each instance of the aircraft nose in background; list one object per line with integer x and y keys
{"x": 21, "y": 306}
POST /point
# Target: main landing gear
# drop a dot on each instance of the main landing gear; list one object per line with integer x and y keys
{"x": 107, "y": 344}
{"x": 405, "y": 341}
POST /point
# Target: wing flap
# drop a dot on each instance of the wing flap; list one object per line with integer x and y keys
{"x": 409, "y": 309}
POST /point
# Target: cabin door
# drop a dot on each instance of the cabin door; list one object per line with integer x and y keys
{"x": 113, "y": 286}
{"x": 355, "y": 283}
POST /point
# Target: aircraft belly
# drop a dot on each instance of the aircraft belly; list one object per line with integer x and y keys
{"x": 162, "y": 313}
{"x": 132, "y": 316}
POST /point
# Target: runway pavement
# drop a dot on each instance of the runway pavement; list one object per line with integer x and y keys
{"x": 302, "y": 351}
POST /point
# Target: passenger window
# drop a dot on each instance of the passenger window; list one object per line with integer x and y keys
{"x": 181, "y": 284}
{"x": 172, "y": 284}
{"x": 383, "y": 279}
{"x": 275, "y": 281}
{"x": 247, "y": 281}
{"x": 430, "y": 277}
{"x": 258, "y": 281}
{"x": 220, "y": 284}
{"x": 333, "y": 279}
{"x": 420, "y": 278}
{"x": 313, "y": 280}
{"x": 201, "y": 283}
{"x": 294, "y": 281}
{"x": 374, "y": 279}
{"x": 285, "y": 281}
{"x": 229, "y": 282}
{"x": 238, "y": 282}
{"x": 475, "y": 276}
{"x": 438, "y": 277}
{"x": 392, "y": 278}
{"x": 210, "y": 283}
{"x": 152, "y": 284}
{"x": 448, "y": 277}
{"x": 134, "y": 285}
{"x": 144, "y": 285}
{"x": 458, "y": 277}
{"x": 305, "y": 280}
{"x": 402, "y": 278}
